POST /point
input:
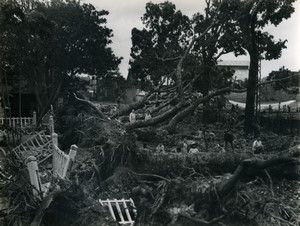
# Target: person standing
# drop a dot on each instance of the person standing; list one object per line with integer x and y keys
{"x": 147, "y": 115}
{"x": 119, "y": 102}
{"x": 184, "y": 148}
{"x": 132, "y": 116}
{"x": 228, "y": 138}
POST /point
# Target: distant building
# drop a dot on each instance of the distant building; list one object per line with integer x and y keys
{"x": 241, "y": 68}
{"x": 91, "y": 84}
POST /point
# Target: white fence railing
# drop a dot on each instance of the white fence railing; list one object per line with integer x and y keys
{"x": 60, "y": 160}
{"x": 61, "y": 163}
{"x": 35, "y": 145}
{"x": 34, "y": 176}
{"x": 16, "y": 121}
{"x": 122, "y": 210}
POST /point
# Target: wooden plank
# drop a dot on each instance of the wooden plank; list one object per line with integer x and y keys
{"x": 111, "y": 210}
{"x": 119, "y": 211}
{"x": 127, "y": 211}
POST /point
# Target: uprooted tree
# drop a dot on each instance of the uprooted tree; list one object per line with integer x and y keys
{"x": 112, "y": 144}
{"x": 164, "y": 187}
{"x": 227, "y": 26}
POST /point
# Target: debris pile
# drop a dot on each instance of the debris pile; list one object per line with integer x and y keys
{"x": 168, "y": 187}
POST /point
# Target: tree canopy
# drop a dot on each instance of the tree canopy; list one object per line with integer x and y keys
{"x": 156, "y": 48}
{"x": 284, "y": 79}
{"x": 234, "y": 26}
{"x": 251, "y": 17}
{"x": 50, "y": 41}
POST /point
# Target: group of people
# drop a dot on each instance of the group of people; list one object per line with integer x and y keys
{"x": 257, "y": 146}
{"x": 181, "y": 148}
{"x": 285, "y": 108}
{"x": 184, "y": 148}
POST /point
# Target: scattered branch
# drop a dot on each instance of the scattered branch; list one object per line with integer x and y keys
{"x": 90, "y": 105}
{"x": 201, "y": 221}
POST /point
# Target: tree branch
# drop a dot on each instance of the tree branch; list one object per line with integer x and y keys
{"x": 255, "y": 8}
{"x": 278, "y": 80}
{"x": 91, "y": 105}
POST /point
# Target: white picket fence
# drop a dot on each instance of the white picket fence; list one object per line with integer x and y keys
{"x": 122, "y": 210}
{"x": 17, "y": 121}
{"x": 37, "y": 145}
{"x": 35, "y": 180}
{"x": 61, "y": 162}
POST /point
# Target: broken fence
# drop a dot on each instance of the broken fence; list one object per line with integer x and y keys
{"x": 122, "y": 210}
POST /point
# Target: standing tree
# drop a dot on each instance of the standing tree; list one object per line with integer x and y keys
{"x": 210, "y": 46}
{"x": 62, "y": 39}
{"x": 156, "y": 48}
{"x": 251, "y": 18}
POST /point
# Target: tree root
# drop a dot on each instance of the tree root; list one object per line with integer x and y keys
{"x": 42, "y": 210}
{"x": 201, "y": 221}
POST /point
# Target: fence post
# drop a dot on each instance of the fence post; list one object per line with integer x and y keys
{"x": 72, "y": 154}
{"x": 54, "y": 155}
{"x": 34, "y": 118}
{"x": 55, "y": 139}
{"x": 33, "y": 170}
{"x": 51, "y": 110}
{"x": 51, "y": 124}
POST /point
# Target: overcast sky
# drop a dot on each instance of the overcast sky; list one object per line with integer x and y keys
{"x": 126, "y": 14}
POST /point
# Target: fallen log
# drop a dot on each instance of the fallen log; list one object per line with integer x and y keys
{"x": 212, "y": 163}
{"x": 218, "y": 192}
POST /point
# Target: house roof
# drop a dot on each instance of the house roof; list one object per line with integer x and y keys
{"x": 232, "y": 63}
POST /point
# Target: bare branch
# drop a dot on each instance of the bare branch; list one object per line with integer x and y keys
{"x": 166, "y": 59}
{"x": 255, "y": 8}
{"x": 91, "y": 105}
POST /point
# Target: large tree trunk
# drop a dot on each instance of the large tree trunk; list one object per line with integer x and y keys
{"x": 252, "y": 78}
{"x": 216, "y": 163}
{"x": 187, "y": 111}
{"x": 135, "y": 105}
{"x": 218, "y": 192}
{"x": 176, "y": 114}
{"x": 155, "y": 120}
{"x": 250, "y": 99}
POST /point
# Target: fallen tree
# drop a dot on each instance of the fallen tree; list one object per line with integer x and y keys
{"x": 214, "y": 198}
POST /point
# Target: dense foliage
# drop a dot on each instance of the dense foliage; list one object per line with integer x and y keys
{"x": 287, "y": 80}
{"x": 49, "y": 43}
{"x": 156, "y": 48}
{"x": 234, "y": 26}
